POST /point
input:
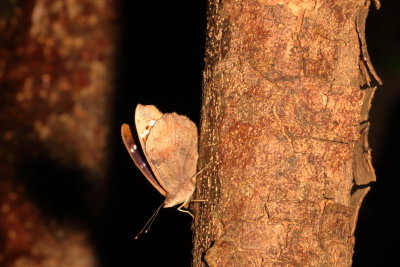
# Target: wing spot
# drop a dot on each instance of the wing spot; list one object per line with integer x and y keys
{"x": 132, "y": 150}
{"x": 152, "y": 122}
{"x": 143, "y": 135}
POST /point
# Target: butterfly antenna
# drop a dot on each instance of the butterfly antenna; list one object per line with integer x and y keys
{"x": 148, "y": 224}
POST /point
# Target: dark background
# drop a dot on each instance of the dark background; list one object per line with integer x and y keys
{"x": 160, "y": 62}
{"x": 377, "y": 232}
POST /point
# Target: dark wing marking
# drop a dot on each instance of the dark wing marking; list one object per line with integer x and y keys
{"x": 137, "y": 158}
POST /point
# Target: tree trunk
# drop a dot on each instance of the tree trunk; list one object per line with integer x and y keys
{"x": 287, "y": 90}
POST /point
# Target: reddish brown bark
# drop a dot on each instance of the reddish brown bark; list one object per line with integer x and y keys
{"x": 54, "y": 79}
{"x": 287, "y": 90}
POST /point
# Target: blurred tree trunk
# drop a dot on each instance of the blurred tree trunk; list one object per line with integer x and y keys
{"x": 287, "y": 90}
{"x": 55, "y": 83}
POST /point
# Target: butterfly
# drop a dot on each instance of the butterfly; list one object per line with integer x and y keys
{"x": 170, "y": 144}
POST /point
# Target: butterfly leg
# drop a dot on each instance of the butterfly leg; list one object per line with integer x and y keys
{"x": 193, "y": 178}
{"x": 187, "y": 201}
{"x": 185, "y": 205}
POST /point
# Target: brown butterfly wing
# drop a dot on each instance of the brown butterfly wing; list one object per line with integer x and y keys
{"x": 172, "y": 148}
{"x": 145, "y": 118}
{"x": 144, "y": 114}
{"x": 137, "y": 158}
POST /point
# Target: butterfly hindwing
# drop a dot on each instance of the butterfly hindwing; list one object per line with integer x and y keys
{"x": 172, "y": 148}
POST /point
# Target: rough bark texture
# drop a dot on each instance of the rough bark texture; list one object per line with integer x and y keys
{"x": 287, "y": 90}
{"x": 54, "y": 79}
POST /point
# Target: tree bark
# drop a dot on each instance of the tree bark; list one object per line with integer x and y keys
{"x": 287, "y": 90}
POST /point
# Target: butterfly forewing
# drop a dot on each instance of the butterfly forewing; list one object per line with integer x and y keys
{"x": 137, "y": 158}
{"x": 172, "y": 147}
{"x": 145, "y": 118}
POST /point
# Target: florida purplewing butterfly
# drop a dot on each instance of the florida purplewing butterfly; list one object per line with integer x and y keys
{"x": 169, "y": 143}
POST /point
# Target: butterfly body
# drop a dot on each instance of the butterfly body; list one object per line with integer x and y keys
{"x": 169, "y": 143}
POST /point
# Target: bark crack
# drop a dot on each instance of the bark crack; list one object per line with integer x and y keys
{"x": 283, "y": 130}
{"x": 328, "y": 140}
